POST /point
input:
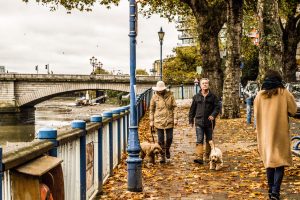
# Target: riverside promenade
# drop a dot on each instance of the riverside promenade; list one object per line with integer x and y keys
{"x": 242, "y": 177}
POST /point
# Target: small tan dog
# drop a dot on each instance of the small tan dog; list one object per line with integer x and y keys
{"x": 150, "y": 150}
{"x": 216, "y": 157}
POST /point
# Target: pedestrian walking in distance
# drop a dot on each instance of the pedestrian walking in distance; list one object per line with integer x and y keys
{"x": 203, "y": 112}
{"x": 272, "y": 106}
{"x": 162, "y": 115}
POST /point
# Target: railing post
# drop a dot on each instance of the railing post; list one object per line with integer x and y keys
{"x": 150, "y": 96}
{"x": 143, "y": 104}
{"x": 49, "y": 134}
{"x": 98, "y": 119}
{"x": 109, "y": 115}
{"x": 137, "y": 106}
{"x": 127, "y": 122}
{"x": 1, "y": 173}
{"x": 182, "y": 93}
{"x": 147, "y": 99}
{"x": 123, "y": 109}
{"x": 196, "y": 88}
{"x": 82, "y": 125}
{"x": 117, "y": 113}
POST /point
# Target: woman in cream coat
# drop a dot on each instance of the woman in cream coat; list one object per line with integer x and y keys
{"x": 272, "y": 106}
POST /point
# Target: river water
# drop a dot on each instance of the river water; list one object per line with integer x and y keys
{"x": 54, "y": 113}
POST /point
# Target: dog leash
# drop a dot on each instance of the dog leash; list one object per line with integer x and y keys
{"x": 212, "y": 132}
{"x": 152, "y": 131}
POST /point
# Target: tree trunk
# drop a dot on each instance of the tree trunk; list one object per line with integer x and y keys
{"x": 211, "y": 61}
{"x": 231, "y": 99}
{"x": 270, "y": 45}
{"x": 290, "y": 38}
{"x": 210, "y": 20}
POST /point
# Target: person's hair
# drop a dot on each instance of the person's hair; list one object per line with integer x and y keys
{"x": 273, "y": 75}
{"x": 204, "y": 79}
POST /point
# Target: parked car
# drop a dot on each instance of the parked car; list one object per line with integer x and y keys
{"x": 294, "y": 88}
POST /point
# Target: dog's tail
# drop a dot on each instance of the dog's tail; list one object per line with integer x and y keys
{"x": 212, "y": 144}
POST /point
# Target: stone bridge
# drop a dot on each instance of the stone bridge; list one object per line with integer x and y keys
{"x": 26, "y": 90}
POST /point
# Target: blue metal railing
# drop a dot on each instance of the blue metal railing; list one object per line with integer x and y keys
{"x": 89, "y": 150}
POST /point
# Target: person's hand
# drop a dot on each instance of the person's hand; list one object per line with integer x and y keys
{"x": 152, "y": 129}
{"x": 152, "y": 126}
{"x": 211, "y": 118}
{"x": 175, "y": 123}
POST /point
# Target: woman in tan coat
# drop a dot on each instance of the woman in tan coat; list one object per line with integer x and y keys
{"x": 272, "y": 106}
{"x": 162, "y": 111}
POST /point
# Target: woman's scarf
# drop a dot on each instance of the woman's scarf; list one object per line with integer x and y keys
{"x": 271, "y": 83}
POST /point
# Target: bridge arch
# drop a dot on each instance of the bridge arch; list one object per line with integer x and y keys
{"x": 48, "y": 92}
{"x": 21, "y": 90}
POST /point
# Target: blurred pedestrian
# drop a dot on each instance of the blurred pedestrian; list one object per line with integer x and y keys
{"x": 203, "y": 112}
{"x": 162, "y": 117}
{"x": 272, "y": 106}
{"x": 250, "y": 93}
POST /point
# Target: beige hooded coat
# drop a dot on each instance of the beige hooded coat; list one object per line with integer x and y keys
{"x": 272, "y": 126}
{"x": 162, "y": 110}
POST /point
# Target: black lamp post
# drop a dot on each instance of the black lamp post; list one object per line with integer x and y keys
{"x": 93, "y": 62}
{"x": 47, "y": 68}
{"x": 161, "y": 35}
{"x": 98, "y": 67}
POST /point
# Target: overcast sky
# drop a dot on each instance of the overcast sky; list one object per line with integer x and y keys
{"x": 32, "y": 35}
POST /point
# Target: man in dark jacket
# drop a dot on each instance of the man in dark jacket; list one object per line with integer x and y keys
{"x": 203, "y": 111}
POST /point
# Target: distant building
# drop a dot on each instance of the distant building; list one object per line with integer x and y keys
{"x": 2, "y": 69}
{"x": 185, "y": 36}
{"x": 155, "y": 71}
{"x": 254, "y": 35}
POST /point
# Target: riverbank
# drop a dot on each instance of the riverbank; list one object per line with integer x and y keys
{"x": 56, "y": 113}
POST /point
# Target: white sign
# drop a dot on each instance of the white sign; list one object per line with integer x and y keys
{"x": 199, "y": 70}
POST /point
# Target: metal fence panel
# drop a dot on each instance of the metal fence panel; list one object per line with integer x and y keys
{"x": 70, "y": 153}
{"x": 188, "y": 91}
{"x": 115, "y": 143}
{"x": 6, "y": 192}
{"x": 105, "y": 157}
{"x": 92, "y": 163}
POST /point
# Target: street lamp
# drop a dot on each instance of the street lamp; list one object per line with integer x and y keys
{"x": 93, "y": 62}
{"x": 161, "y": 35}
{"x": 47, "y": 67}
{"x": 98, "y": 67}
{"x": 37, "y": 69}
{"x": 134, "y": 162}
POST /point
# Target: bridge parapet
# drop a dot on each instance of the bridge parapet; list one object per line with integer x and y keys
{"x": 76, "y": 78}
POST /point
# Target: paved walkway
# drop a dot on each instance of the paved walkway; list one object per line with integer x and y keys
{"x": 243, "y": 175}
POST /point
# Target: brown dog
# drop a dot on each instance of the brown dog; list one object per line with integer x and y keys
{"x": 150, "y": 150}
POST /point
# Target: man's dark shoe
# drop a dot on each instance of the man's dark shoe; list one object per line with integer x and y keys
{"x": 168, "y": 155}
{"x": 162, "y": 159}
{"x": 274, "y": 196}
{"x": 199, "y": 161}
